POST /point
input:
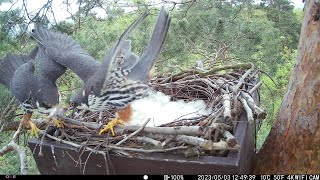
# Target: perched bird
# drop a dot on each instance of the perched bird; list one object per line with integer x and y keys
{"x": 17, "y": 74}
{"x": 120, "y": 79}
{"x": 48, "y": 73}
{"x": 35, "y": 91}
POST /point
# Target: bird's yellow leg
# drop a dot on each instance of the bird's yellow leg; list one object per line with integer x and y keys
{"x": 56, "y": 122}
{"x": 111, "y": 125}
{"x": 28, "y": 123}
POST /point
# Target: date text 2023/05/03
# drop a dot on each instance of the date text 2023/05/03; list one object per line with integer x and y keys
{"x": 241, "y": 177}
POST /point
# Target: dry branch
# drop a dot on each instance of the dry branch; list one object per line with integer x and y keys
{"x": 111, "y": 147}
{"x": 254, "y": 107}
{"x": 147, "y": 140}
{"x": 179, "y": 130}
{"x": 248, "y": 110}
{"x": 185, "y": 130}
{"x": 13, "y": 146}
{"x": 227, "y": 107}
{"x": 203, "y": 143}
{"x": 134, "y": 133}
{"x": 257, "y": 86}
{"x": 230, "y": 139}
{"x": 236, "y": 89}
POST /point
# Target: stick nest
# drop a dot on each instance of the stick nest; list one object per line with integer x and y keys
{"x": 229, "y": 91}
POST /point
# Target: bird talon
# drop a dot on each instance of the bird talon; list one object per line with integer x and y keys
{"x": 57, "y": 123}
{"x": 111, "y": 125}
{"x": 34, "y": 129}
{"x": 29, "y": 123}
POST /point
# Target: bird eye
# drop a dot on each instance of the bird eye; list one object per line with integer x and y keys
{"x": 72, "y": 104}
{"x": 47, "y": 106}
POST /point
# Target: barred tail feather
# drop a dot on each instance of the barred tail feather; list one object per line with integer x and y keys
{"x": 140, "y": 72}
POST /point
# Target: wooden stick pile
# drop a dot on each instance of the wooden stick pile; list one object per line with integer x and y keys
{"x": 229, "y": 91}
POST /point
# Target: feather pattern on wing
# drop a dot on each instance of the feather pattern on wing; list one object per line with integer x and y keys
{"x": 107, "y": 70}
{"x": 10, "y": 63}
{"x": 66, "y": 51}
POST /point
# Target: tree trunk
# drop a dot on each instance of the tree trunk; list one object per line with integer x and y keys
{"x": 293, "y": 145}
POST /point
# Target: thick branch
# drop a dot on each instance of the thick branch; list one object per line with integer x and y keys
{"x": 247, "y": 109}
{"x": 227, "y": 107}
{"x": 205, "y": 144}
{"x": 261, "y": 114}
{"x": 184, "y": 130}
{"x": 230, "y": 139}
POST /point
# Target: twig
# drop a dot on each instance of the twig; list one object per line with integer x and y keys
{"x": 148, "y": 140}
{"x": 134, "y": 133}
{"x": 7, "y": 109}
{"x": 167, "y": 140}
{"x": 73, "y": 144}
{"x": 237, "y": 87}
{"x": 255, "y": 87}
{"x": 217, "y": 69}
{"x": 110, "y": 147}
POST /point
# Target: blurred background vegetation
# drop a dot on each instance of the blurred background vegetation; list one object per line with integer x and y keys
{"x": 207, "y": 31}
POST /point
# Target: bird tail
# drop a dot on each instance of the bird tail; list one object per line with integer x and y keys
{"x": 10, "y": 63}
{"x": 140, "y": 72}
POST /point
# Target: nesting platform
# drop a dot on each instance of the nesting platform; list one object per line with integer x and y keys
{"x": 233, "y": 96}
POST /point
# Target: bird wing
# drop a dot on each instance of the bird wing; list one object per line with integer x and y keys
{"x": 24, "y": 84}
{"x": 106, "y": 71}
{"x": 47, "y": 67}
{"x": 48, "y": 72}
{"x": 140, "y": 72}
{"x": 10, "y": 63}
{"x": 66, "y": 51}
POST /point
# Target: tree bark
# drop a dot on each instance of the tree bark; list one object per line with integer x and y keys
{"x": 293, "y": 145}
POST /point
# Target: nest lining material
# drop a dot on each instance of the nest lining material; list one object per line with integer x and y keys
{"x": 227, "y": 95}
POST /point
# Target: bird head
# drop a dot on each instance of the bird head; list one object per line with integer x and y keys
{"x": 47, "y": 100}
{"x": 79, "y": 100}
{"x": 44, "y": 108}
{"x": 50, "y": 105}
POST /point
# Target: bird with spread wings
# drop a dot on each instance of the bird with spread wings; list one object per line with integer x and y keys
{"x": 35, "y": 91}
{"x": 116, "y": 82}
